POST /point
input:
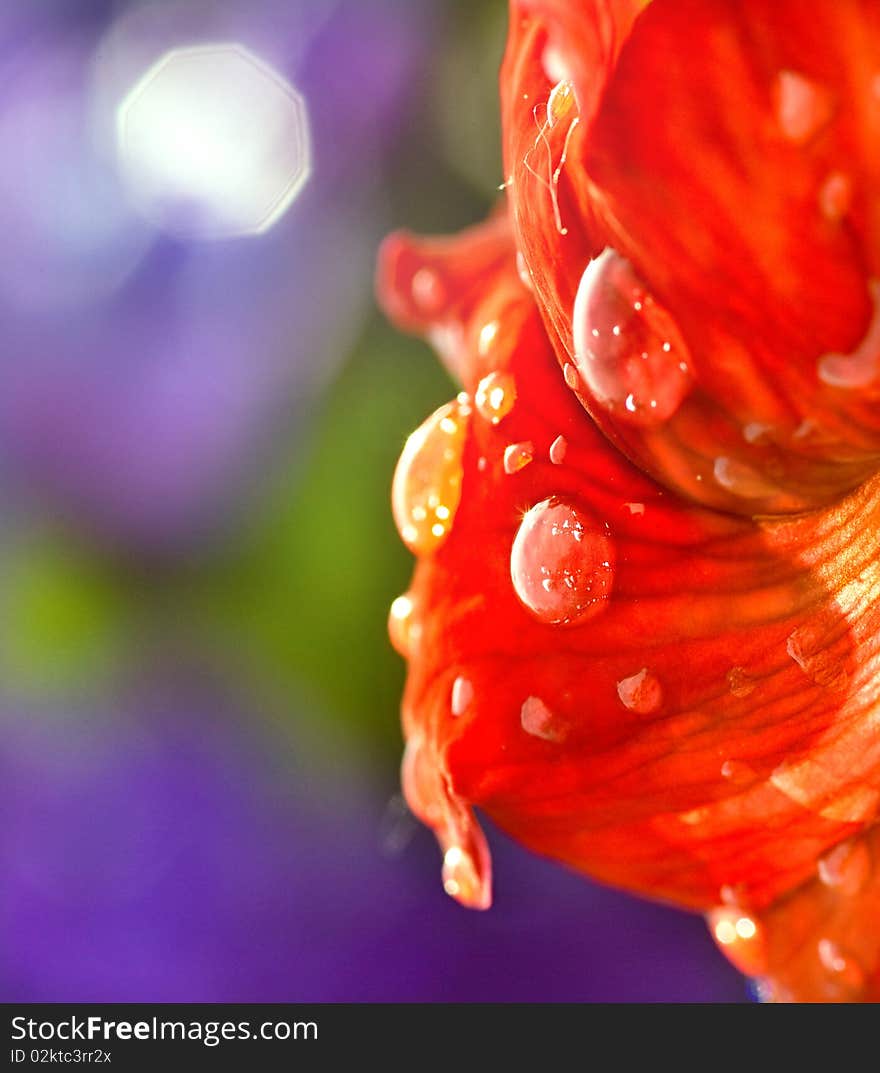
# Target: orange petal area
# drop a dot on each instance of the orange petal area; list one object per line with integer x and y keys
{"x": 676, "y": 701}
{"x": 721, "y": 163}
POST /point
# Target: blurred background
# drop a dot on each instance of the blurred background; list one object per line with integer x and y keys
{"x": 200, "y": 412}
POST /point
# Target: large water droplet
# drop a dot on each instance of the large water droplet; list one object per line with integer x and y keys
{"x": 427, "y": 482}
{"x": 462, "y": 879}
{"x": 562, "y": 563}
{"x": 495, "y": 396}
{"x": 802, "y": 106}
{"x": 539, "y": 721}
{"x": 640, "y": 692}
{"x": 403, "y": 630}
{"x": 740, "y": 938}
{"x": 462, "y": 695}
{"x": 628, "y": 349}
{"x": 861, "y": 366}
{"x": 847, "y": 867}
{"x": 518, "y": 455}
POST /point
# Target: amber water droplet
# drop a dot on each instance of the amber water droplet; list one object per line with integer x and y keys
{"x": 562, "y": 563}
{"x": 558, "y": 449}
{"x": 640, "y": 692}
{"x": 462, "y": 695}
{"x": 741, "y": 480}
{"x": 561, "y": 101}
{"x": 802, "y": 106}
{"x": 847, "y": 867}
{"x": 495, "y": 396}
{"x": 427, "y": 482}
{"x": 539, "y": 721}
{"x": 403, "y": 630}
{"x": 740, "y": 938}
{"x": 517, "y": 456}
{"x": 811, "y": 647}
{"x": 628, "y": 349}
{"x": 861, "y": 366}
{"x": 740, "y": 682}
{"x": 835, "y": 196}
{"x": 462, "y": 879}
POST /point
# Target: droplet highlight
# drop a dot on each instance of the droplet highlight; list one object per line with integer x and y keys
{"x": 495, "y": 397}
{"x": 462, "y": 695}
{"x": 739, "y": 936}
{"x": 517, "y": 456}
{"x": 462, "y": 880}
{"x": 641, "y": 692}
{"x": 427, "y": 482}
{"x": 628, "y": 349}
{"x": 403, "y": 630}
{"x": 558, "y": 449}
{"x": 847, "y": 867}
{"x": 562, "y": 563}
{"x": 802, "y": 106}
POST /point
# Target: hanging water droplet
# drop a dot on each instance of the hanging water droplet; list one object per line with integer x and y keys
{"x": 740, "y": 682}
{"x": 427, "y": 482}
{"x": 835, "y": 196}
{"x": 628, "y": 349}
{"x": 517, "y": 456}
{"x": 847, "y": 867}
{"x": 462, "y": 880}
{"x": 861, "y": 366}
{"x": 802, "y": 106}
{"x": 557, "y": 450}
{"x": 561, "y": 101}
{"x": 462, "y": 695}
{"x": 812, "y": 649}
{"x": 562, "y": 563}
{"x": 539, "y": 721}
{"x": 640, "y": 692}
{"x": 495, "y": 396}
{"x": 403, "y": 630}
{"x": 742, "y": 480}
{"x": 740, "y": 938}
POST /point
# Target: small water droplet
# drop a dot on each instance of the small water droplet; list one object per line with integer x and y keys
{"x": 517, "y": 456}
{"x": 462, "y": 879}
{"x": 495, "y": 396}
{"x": 428, "y": 291}
{"x": 756, "y": 432}
{"x": 736, "y": 772}
{"x": 740, "y": 682}
{"x": 539, "y": 721}
{"x": 846, "y": 867}
{"x": 562, "y": 563}
{"x": 802, "y": 106}
{"x": 403, "y": 630}
{"x": 557, "y": 450}
{"x": 427, "y": 482}
{"x": 561, "y": 101}
{"x": 462, "y": 695}
{"x": 861, "y": 366}
{"x": 740, "y": 938}
{"x": 572, "y": 377}
{"x": 835, "y": 196}
{"x": 487, "y": 337}
{"x": 810, "y": 646}
{"x": 742, "y": 480}
{"x": 522, "y": 270}
{"x": 640, "y": 692}
{"x": 844, "y": 968}
{"x": 628, "y": 349}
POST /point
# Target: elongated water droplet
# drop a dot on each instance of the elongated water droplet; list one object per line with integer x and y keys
{"x": 427, "y": 482}
{"x": 802, "y": 106}
{"x": 495, "y": 396}
{"x": 518, "y": 455}
{"x": 640, "y": 692}
{"x": 462, "y": 695}
{"x": 562, "y": 563}
{"x": 628, "y": 349}
{"x": 539, "y": 721}
{"x": 847, "y": 867}
{"x": 742, "y": 480}
{"x": 558, "y": 449}
{"x": 861, "y": 366}
{"x": 740, "y": 938}
{"x": 403, "y": 630}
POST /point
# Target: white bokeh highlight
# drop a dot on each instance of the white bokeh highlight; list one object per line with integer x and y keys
{"x": 212, "y": 142}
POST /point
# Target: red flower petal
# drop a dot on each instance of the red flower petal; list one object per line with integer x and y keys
{"x": 726, "y": 152}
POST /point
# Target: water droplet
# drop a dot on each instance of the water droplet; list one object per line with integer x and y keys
{"x": 427, "y": 482}
{"x": 740, "y": 682}
{"x": 640, "y": 692}
{"x": 462, "y": 879}
{"x": 736, "y": 772}
{"x": 561, "y": 101}
{"x": 518, "y": 455}
{"x": 835, "y": 196}
{"x": 403, "y": 630}
{"x": 847, "y": 867}
{"x": 756, "y": 432}
{"x": 557, "y": 450}
{"x": 522, "y": 270}
{"x": 495, "y": 396}
{"x": 487, "y": 337}
{"x": 742, "y": 480}
{"x": 802, "y": 107}
{"x": 845, "y": 969}
{"x": 740, "y": 938}
{"x": 539, "y": 721}
{"x": 421, "y": 782}
{"x": 811, "y": 647}
{"x": 635, "y": 509}
{"x": 428, "y": 291}
{"x": 562, "y": 563}
{"x": 462, "y": 695}
{"x": 861, "y": 366}
{"x": 572, "y": 377}
{"x": 628, "y": 349}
